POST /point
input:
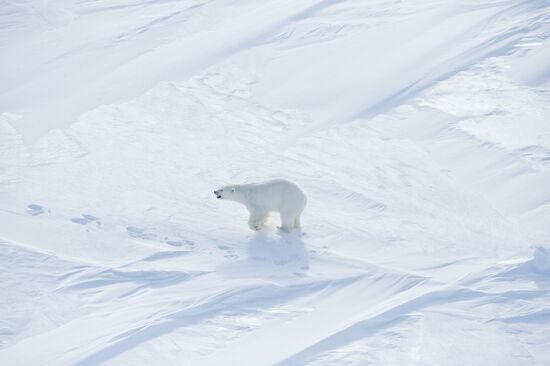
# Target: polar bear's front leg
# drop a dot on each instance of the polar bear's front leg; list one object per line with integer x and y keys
{"x": 257, "y": 220}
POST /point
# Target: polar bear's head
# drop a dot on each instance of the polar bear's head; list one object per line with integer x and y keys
{"x": 227, "y": 193}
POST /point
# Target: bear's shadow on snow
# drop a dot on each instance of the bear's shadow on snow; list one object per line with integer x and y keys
{"x": 274, "y": 253}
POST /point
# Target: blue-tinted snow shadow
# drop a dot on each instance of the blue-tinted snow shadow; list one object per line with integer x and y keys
{"x": 535, "y": 270}
{"x": 272, "y": 253}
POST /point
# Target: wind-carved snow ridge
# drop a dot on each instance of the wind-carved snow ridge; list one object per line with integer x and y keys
{"x": 418, "y": 131}
{"x": 541, "y": 260}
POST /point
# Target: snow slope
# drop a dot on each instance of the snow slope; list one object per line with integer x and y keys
{"x": 419, "y": 131}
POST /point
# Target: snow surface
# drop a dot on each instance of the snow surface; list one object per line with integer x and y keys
{"x": 419, "y": 131}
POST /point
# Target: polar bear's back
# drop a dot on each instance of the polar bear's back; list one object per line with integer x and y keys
{"x": 278, "y": 195}
{"x": 282, "y": 185}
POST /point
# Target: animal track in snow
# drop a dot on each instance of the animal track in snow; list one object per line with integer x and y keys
{"x": 140, "y": 233}
{"x": 85, "y": 219}
{"x": 145, "y": 234}
{"x": 230, "y": 252}
{"x": 179, "y": 242}
{"x": 34, "y": 209}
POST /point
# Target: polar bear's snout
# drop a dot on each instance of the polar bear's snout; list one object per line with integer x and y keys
{"x": 227, "y": 193}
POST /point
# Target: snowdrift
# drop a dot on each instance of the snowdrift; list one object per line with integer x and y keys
{"x": 417, "y": 129}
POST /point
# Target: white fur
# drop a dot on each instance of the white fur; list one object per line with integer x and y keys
{"x": 260, "y": 199}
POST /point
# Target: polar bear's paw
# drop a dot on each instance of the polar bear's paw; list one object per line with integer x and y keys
{"x": 255, "y": 226}
{"x": 286, "y": 229}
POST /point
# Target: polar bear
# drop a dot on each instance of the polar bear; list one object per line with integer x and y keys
{"x": 277, "y": 195}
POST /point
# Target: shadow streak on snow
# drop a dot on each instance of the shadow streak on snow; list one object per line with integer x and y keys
{"x": 536, "y": 270}
{"x": 373, "y": 325}
{"x": 424, "y": 82}
{"x": 284, "y": 249}
{"x": 271, "y": 254}
{"x": 230, "y": 300}
{"x": 137, "y": 280}
{"x": 498, "y": 45}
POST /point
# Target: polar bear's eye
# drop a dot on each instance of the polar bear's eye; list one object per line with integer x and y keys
{"x": 232, "y": 189}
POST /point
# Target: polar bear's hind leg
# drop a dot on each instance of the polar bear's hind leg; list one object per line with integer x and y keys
{"x": 287, "y": 222}
{"x": 297, "y": 224}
